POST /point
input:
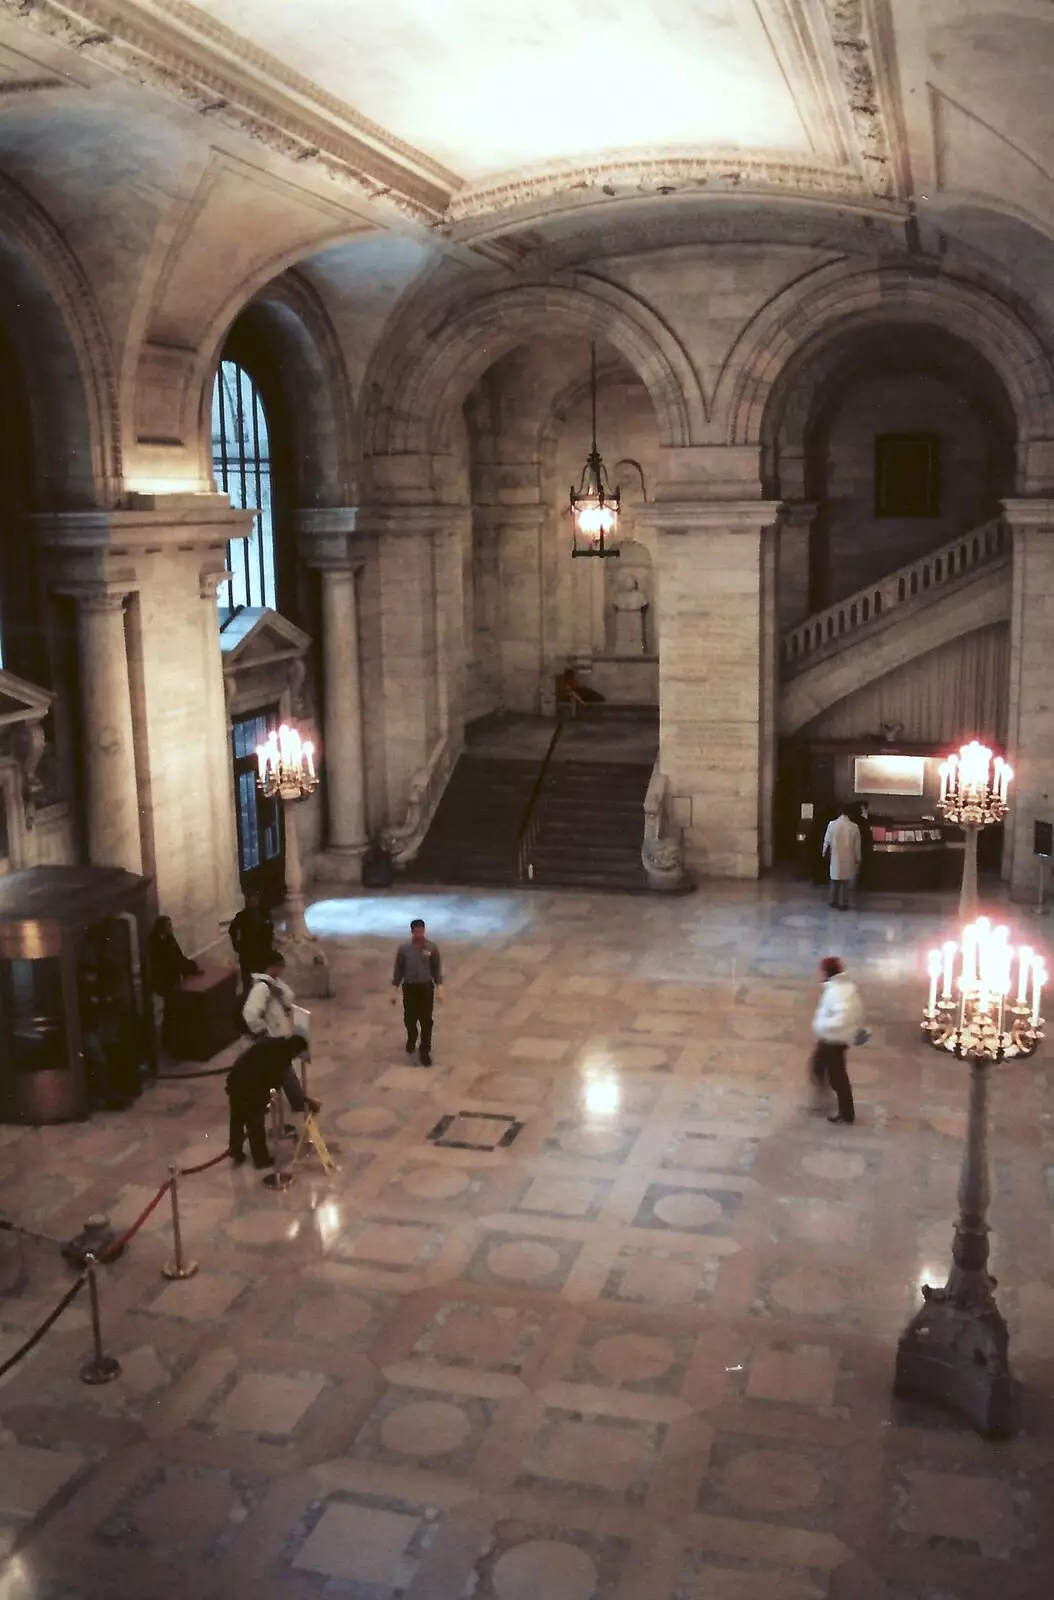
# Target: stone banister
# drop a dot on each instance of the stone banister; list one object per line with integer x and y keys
{"x": 906, "y": 584}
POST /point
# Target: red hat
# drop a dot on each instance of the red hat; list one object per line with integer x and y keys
{"x": 830, "y": 966}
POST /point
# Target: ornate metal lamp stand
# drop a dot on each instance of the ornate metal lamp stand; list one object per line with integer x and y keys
{"x": 973, "y": 795}
{"x": 955, "y": 1350}
{"x": 287, "y": 773}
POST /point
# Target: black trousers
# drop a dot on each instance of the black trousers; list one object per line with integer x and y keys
{"x": 829, "y": 1071}
{"x": 418, "y": 1006}
{"x": 248, "y": 1120}
{"x": 841, "y": 890}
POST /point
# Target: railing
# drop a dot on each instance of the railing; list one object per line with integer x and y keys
{"x": 945, "y": 565}
{"x": 528, "y": 831}
{"x": 426, "y": 791}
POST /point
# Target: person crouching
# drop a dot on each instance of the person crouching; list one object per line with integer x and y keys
{"x": 266, "y": 1065}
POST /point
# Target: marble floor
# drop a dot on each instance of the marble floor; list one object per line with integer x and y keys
{"x": 593, "y": 1310}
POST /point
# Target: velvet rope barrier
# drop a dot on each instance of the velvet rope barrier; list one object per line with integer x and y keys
{"x": 35, "y": 1338}
{"x": 203, "y": 1166}
{"x": 114, "y": 1250}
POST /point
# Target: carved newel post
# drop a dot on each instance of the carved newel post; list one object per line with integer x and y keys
{"x": 956, "y": 1350}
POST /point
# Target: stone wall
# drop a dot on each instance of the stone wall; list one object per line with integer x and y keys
{"x": 859, "y": 546}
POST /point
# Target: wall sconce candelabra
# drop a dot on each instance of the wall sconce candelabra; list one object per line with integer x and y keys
{"x": 974, "y": 794}
{"x": 955, "y": 1350}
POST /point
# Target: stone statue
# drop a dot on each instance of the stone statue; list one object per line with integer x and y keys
{"x": 630, "y": 606}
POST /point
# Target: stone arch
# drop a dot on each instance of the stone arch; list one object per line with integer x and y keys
{"x": 439, "y": 358}
{"x": 64, "y": 354}
{"x": 304, "y": 378}
{"x": 827, "y": 304}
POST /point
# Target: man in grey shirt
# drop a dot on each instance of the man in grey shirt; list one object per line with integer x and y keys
{"x": 419, "y": 970}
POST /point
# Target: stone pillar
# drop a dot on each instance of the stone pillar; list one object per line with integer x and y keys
{"x": 522, "y": 611}
{"x": 795, "y": 533}
{"x": 106, "y": 734}
{"x": 219, "y": 754}
{"x": 342, "y": 747}
{"x": 714, "y": 720}
{"x": 1030, "y": 726}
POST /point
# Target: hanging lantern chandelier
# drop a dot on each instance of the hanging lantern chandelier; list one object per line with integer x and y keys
{"x": 286, "y": 765}
{"x": 594, "y": 506}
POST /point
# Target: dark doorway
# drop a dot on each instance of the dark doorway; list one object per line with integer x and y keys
{"x": 261, "y": 837}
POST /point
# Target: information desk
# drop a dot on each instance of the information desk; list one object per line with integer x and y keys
{"x": 913, "y": 855}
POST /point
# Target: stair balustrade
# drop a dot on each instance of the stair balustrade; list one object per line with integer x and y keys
{"x": 905, "y": 585}
{"x": 528, "y": 829}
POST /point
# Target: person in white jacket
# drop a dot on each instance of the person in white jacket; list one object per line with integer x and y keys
{"x": 842, "y": 843}
{"x": 838, "y": 1021}
{"x": 268, "y": 1008}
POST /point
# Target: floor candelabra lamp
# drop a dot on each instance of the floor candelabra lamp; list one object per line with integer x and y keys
{"x": 974, "y": 791}
{"x": 286, "y": 772}
{"x": 955, "y": 1350}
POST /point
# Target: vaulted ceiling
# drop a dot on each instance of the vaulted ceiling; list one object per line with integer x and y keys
{"x": 539, "y": 132}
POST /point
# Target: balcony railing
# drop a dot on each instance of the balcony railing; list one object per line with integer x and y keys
{"x": 945, "y": 565}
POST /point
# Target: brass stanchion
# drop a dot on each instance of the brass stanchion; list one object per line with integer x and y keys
{"x": 278, "y": 1179}
{"x": 100, "y": 1369}
{"x": 177, "y": 1267}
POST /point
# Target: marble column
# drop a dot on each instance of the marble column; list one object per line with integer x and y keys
{"x": 342, "y": 749}
{"x": 1030, "y": 727}
{"x": 716, "y": 676}
{"x": 107, "y": 742}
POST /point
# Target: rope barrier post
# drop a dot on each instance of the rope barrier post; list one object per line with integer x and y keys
{"x": 278, "y": 1179}
{"x": 177, "y": 1267}
{"x": 100, "y": 1369}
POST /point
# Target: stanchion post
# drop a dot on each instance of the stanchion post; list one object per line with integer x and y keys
{"x": 177, "y": 1267}
{"x": 277, "y": 1179}
{"x": 100, "y": 1369}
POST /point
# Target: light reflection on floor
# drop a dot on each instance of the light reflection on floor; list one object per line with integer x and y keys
{"x": 447, "y": 915}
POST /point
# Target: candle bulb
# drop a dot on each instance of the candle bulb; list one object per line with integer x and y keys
{"x": 949, "y": 968}
{"x": 1039, "y": 975}
{"x": 1024, "y": 964}
{"x": 935, "y": 972}
{"x": 309, "y": 759}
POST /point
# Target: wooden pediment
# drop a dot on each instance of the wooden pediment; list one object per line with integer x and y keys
{"x": 256, "y": 636}
{"x": 21, "y": 701}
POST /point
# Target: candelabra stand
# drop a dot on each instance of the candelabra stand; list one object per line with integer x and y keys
{"x": 973, "y": 796}
{"x": 287, "y": 774}
{"x": 955, "y": 1350}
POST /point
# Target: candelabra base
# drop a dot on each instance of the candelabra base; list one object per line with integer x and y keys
{"x": 306, "y": 967}
{"x": 956, "y": 1355}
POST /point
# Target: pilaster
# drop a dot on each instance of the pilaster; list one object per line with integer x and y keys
{"x": 793, "y": 544}
{"x": 717, "y": 686}
{"x": 1030, "y": 727}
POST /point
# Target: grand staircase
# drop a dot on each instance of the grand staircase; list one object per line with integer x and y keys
{"x": 507, "y": 819}
{"x": 954, "y": 590}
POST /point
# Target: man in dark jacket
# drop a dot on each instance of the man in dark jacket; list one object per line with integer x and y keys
{"x": 252, "y": 935}
{"x": 419, "y": 972}
{"x": 266, "y": 1065}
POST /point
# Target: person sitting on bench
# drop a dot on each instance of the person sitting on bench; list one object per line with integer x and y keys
{"x": 266, "y": 1065}
{"x": 570, "y": 694}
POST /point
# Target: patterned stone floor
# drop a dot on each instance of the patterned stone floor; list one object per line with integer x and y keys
{"x": 641, "y": 1352}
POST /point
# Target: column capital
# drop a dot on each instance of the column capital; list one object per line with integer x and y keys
{"x": 1037, "y": 514}
{"x": 409, "y": 518}
{"x": 94, "y": 597}
{"x": 314, "y": 522}
{"x": 707, "y": 516}
{"x": 144, "y": 522}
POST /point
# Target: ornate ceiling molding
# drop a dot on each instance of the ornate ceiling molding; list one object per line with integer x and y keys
{"x": 178, "y": 50}
{"x": 865, "y": 82}
{"x": 630, "y": 175}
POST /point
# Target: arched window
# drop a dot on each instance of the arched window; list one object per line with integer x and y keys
{"x": 241, "y": 462}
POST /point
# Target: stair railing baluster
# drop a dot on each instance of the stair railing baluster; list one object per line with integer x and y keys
{"x": 528, "y": 830}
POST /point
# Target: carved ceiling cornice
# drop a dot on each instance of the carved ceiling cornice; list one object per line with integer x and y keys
{"x": 177, "y": 49}
{"x": 866, "y": 81}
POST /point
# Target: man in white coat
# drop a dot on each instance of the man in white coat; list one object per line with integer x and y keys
{"x": 842, "y": 843}
{"x": 838, "y": 1023}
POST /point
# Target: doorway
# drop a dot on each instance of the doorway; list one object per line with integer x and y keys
{"x": 261, "y": 836}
